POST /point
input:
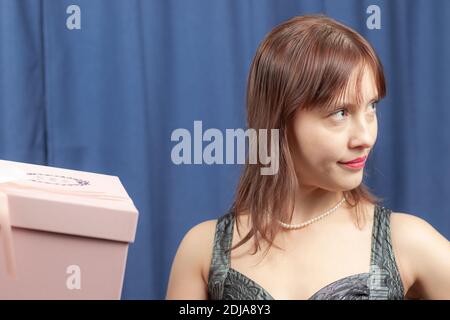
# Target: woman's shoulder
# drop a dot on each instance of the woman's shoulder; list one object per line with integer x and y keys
{"x": 404, "y": 226}
{"x": 406, "y": 231}
{"x": 420, "y": 248}
{"x": 188, "y": 276}
{"x": 205, "y": 231}
{"x": 411, "y": 230}
{"x": 414, "y": 234}
{"x": 199, "y": 240}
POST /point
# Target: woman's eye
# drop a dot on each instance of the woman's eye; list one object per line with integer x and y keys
{"x": 340, "y": 114}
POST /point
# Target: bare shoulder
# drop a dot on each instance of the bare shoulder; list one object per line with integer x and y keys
{"x": 413, "y": 231}
{"x": 411, "y": 234}
{"x": 198, "y": 242}
{"x": 203, "y": 231}
{"x": 188, "y": 275}
{"x": 403, "y": 221}
{"x": 423, "y": 255}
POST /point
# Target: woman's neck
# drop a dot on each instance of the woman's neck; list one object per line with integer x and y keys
{"x": 310, "y": 202}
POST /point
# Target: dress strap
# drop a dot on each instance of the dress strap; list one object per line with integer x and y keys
{"x": 220, "y": 262}
{"x": 384, "y": 280}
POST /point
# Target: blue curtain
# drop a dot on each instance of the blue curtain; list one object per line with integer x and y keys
{"x": 107, "y": 96}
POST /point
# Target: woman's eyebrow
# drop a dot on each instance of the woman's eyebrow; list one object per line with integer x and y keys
{"x": 354, "y": 105}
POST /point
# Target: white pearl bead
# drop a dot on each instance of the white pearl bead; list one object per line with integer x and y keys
{"x": 307, "y": 223}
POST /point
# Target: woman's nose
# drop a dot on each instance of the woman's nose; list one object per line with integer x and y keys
{"x": 363, "y": 131}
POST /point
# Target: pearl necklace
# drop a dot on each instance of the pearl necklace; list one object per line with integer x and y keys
{"x": 307, "y": 223}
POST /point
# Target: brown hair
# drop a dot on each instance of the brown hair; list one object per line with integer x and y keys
{"x": 306, "y": 62}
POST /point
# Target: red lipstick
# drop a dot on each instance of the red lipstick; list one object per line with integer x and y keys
{"x": 357, "y": 163}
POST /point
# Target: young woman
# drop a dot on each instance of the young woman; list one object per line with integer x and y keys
{"x": 313, "y": 230}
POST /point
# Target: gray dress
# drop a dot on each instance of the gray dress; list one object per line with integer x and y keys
{"x": 382, "y": 282}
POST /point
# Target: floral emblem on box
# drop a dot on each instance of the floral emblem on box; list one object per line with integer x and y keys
{"x": 56, "y": 180}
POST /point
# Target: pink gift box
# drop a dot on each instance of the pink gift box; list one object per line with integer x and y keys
{"x": 64, "y": 234}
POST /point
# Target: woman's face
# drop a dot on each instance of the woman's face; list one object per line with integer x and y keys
{"x": 322, "y": 139}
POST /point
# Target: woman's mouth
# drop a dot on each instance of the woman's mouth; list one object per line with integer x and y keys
{"x": 357, "y": 163}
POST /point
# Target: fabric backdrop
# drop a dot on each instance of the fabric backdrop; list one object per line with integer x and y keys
{"x": 103, "y": 89}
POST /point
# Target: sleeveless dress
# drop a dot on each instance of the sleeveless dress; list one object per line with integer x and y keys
{"x": 381, "y": 282}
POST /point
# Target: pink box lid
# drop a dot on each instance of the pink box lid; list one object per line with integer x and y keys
{"x": 69, "y": 201}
